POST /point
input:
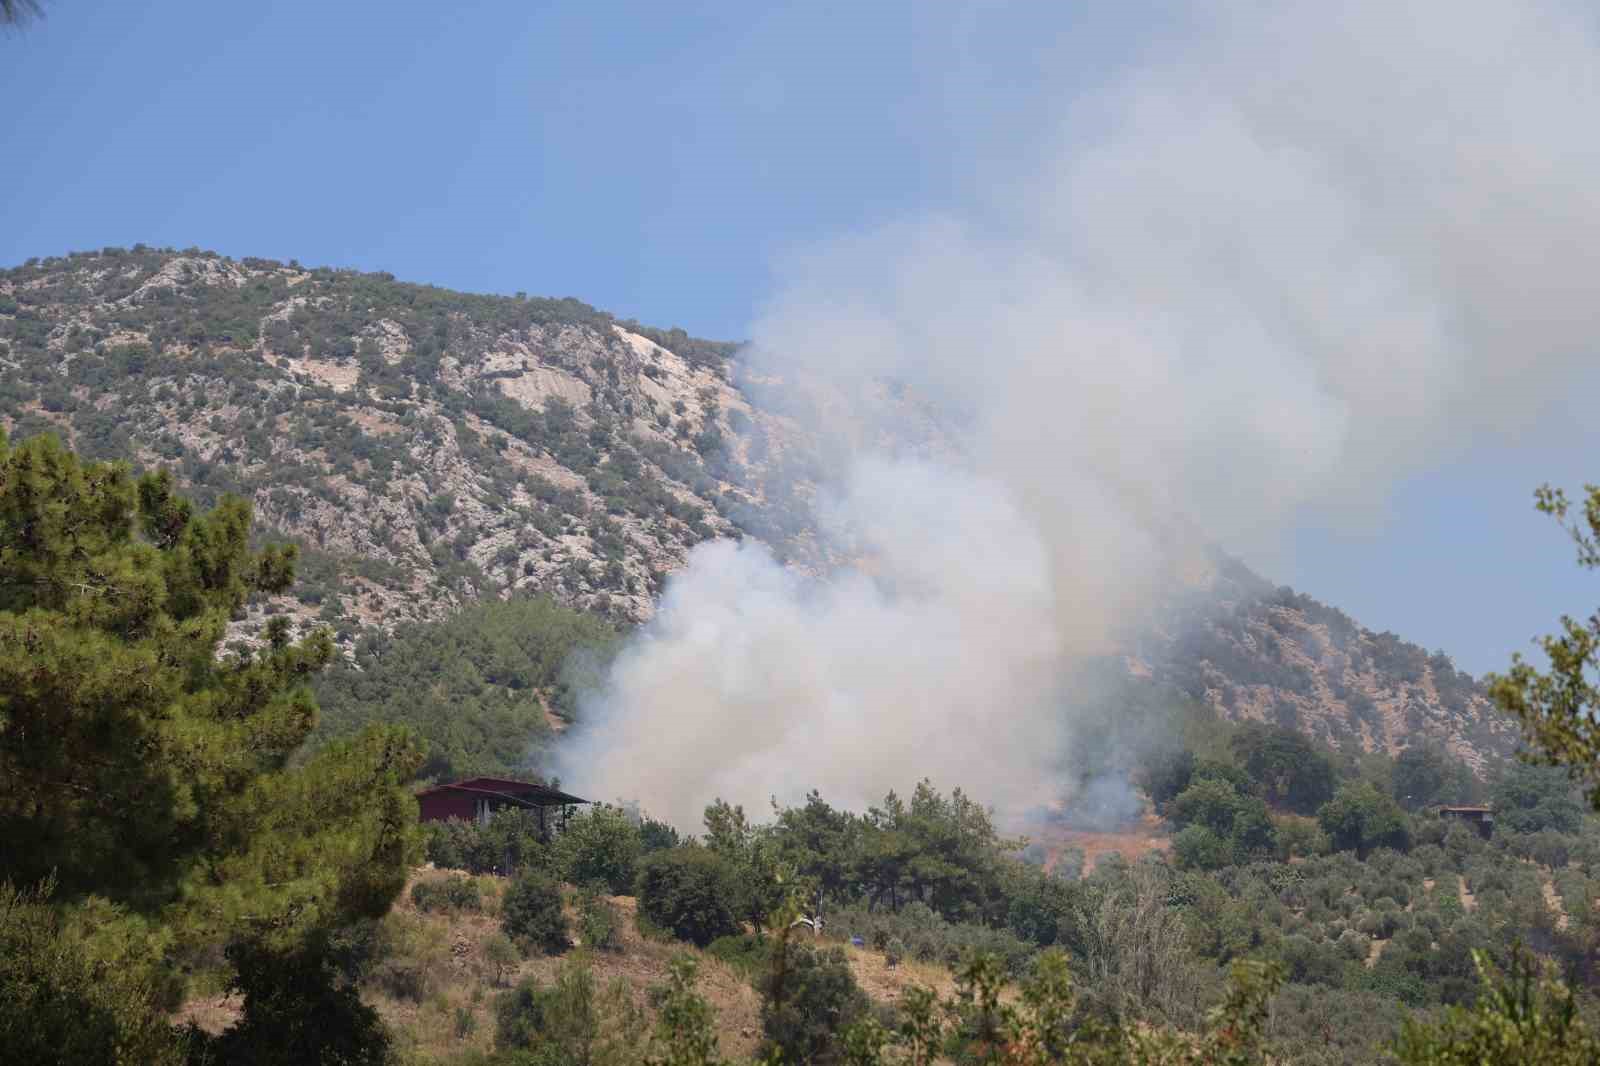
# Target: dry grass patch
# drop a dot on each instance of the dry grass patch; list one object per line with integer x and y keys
{"x": 450, "y": 949}
{"x": 433, "y": 980}
{"x": 884, "y": 983}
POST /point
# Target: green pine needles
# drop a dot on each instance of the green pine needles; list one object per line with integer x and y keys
{"x": 144, "y": 777}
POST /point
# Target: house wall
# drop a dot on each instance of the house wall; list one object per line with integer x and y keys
{"x": 446, "y": 804}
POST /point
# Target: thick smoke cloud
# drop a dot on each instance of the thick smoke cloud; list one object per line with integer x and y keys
{"x": 1314, "y": 250}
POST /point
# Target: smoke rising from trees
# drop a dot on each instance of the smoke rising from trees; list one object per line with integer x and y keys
{"x": 1309, "y": 251}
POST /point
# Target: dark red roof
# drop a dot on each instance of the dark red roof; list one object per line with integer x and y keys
{"x": 526, "y": 791}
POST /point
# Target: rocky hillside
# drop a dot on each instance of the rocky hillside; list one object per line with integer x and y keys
{"x": 427, "y": 448}
{"x": 1255, "y": 651}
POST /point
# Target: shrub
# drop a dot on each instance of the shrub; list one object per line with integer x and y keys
{"x": 500, "y": 953}
{"x": 1309, "y": 962}
{"x": 453, "y": 894}
{"x": 1318, "y": 1024}
{"x": 657, "y": 836}
{"x": 1463, "y": 845}
{"x": 1207, "y": 802}
{"x": 745, "y": 953}
{"x": 1392, "y": 980}
{"x": 600, "y": 845}
{"x": 531, "y": 914}
{"x": 511, "y": 836}
{"x": 403, "y": 978}
{"x": 1197, "y": 847}
{"x": 568, "y": 1021}
{"x": 297, "y": 1008}
{"x": 809, "y": 996}
{"x": 1300, "y": 837}
{"x": 59, "y": 1002}
{"x": 597, "y": 920}
{"x": 1361, "y": 818}
{"x": 404, "y": 956}
{"x": 1431, "y": 858}
{"x": 688, "y": 891}
{"x": 685, "y": 1029}
{"x": 1585, "y": 851}
{"x": 1432, "y": 831}
{"x": 1354, "y": 946}
{"x": 557, "y": 1019}
{"x": 1521, "y": 1016}
{"x": 1036, "y": 903}
{"x": 1378, "y": 923}
{"x": 1529, "y": 798}
{"x": 928, "y": 937}
{"x": 1551, "y": 849}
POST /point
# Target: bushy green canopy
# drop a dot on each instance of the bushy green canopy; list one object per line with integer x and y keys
{"x": 1361, "y": 818}
{"x": 147, "y": 780}
{"x": 475, "y": 687}
{"x": 134, "y": 763}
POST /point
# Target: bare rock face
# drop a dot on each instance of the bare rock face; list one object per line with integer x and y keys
{"x": 426, "y": 448}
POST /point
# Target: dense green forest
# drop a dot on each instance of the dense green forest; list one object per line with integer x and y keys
{"x": 484, "y": 690}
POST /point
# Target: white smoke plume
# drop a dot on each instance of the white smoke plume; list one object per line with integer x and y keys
{"x": 1311, "y": 250}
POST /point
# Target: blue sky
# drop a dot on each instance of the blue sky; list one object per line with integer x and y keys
{"x": 654, "y": 160}
{"x": 648, "y": 158}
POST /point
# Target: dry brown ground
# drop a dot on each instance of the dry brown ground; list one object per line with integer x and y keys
{"x": 1552, "y": 899}
{"x": 884, "y": 983}
{"x": 430, "y": 1027}
{"x": 452, "y": 950}
{"x": 1469, "y": 902}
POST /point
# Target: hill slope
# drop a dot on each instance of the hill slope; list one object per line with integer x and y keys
{"x": 436, "y": 446}
{"x": 1255, "y": 651}
{"x": 429, "y": 448}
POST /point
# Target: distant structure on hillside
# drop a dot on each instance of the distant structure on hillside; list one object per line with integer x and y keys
{"x": 478, "y": 798}
{"x": 1481, "y": 817}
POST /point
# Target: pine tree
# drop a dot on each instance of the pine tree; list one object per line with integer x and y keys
{"x": 142, "y": 774}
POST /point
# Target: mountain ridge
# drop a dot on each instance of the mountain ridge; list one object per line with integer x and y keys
{"x": 429, "y": 448}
